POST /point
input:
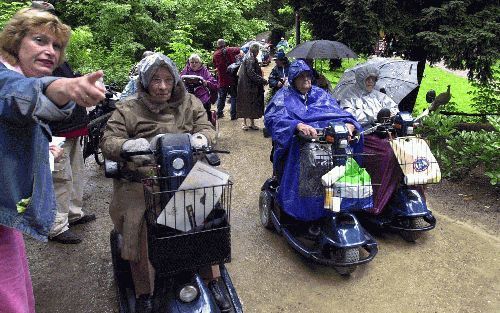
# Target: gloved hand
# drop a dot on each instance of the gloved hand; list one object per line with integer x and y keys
{"x": 154, "y": 141}
{"x": 139, "y": 144}
{"x": 198, "y": 140}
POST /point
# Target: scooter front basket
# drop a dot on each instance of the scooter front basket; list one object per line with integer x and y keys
{"x": 187, "y": 229}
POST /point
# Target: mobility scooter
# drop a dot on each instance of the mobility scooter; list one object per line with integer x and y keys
{"x": 192, "y": 83}
{"x": 188, "y": 224}
{"x": 406, "y": 212}
{"x": 336, "y": 239}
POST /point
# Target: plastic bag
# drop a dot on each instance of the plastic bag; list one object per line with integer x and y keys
{"x": 349, "y": 187}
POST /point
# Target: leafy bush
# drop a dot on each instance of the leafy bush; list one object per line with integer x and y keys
{"x": 458, "y": 152}
{"x": 8, "y": 9}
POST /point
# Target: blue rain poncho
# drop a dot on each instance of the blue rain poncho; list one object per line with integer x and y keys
{"x": 286, "y": 109}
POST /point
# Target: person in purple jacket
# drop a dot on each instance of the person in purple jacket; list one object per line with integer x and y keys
{"x": 207, "y": 90}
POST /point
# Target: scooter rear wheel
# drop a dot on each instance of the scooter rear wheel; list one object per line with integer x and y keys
{"x": 346, "y": 255}
{"x": 265, "y": 207}
{"x": 414, "y": 223}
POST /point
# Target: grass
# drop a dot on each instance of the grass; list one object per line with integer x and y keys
{"x": 434, "y": 78}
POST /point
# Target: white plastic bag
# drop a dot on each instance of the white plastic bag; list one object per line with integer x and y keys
{"x": 416, "y": 160}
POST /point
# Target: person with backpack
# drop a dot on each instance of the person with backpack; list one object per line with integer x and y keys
{"x": 222, "y": 58}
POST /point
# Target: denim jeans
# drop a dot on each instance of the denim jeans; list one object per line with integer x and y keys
{"x": 221, "y": 102}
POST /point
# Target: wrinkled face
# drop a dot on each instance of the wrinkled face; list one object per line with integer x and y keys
{"x": 195, "y": 64}
{"x": 370, "y": 83}
{"x": 303, "y": 82}
{"x": 39, "y": 53}
{"x": 161, "y": 86}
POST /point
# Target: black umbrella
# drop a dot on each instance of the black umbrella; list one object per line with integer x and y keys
{"x": 321, "y": 49}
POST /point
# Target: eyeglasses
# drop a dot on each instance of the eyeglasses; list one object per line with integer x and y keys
{"x": 194, "y": 62}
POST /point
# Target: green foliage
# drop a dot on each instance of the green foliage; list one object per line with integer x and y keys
{"x": 85, "y": 56}
{"x": 7, "y": 10}
{"x": 438, "y": 79}
{"x": 463, "y": 33}
{"x": 486, "y": 96}
{"x": 121, "y": 30}
{"x": 460, "y": 152}
{"x": 305, "y": 35}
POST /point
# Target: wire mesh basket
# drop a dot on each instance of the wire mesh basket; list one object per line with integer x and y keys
{"x": 187, "y": 229}
{"x": 345, "y": 185}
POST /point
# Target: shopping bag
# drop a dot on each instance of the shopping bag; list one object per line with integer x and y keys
{"x": 348, "y": 188}
{"x": 417, "y": 162}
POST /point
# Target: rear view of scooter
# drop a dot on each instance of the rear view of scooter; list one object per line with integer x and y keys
{"x": 334, "y": 238}
{"x": 188, "y": 228}
{"x": 406, "y": 212}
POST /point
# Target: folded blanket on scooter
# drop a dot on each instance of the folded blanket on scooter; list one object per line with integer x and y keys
{"x": 349, "y": 186}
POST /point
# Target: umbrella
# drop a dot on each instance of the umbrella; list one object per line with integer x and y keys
{"x": 321, "y": 49}
{"x": 398, "y": 78}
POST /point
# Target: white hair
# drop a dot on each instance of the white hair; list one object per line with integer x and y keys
{"x": 194, "y": 57}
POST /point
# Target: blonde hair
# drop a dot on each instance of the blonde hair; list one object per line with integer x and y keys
{"x": 25, "y": 21}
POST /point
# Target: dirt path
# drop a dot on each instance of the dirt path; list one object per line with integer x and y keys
{"x": 454, "y": 268}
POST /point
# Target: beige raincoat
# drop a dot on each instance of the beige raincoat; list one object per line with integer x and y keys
{"x": 132, "y": 119}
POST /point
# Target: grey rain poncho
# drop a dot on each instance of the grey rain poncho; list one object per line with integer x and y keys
{"x": 364, "y": 105}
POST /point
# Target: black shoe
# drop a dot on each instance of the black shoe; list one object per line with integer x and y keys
{"x": 220, "y": 115}
{"x": 144, "y": 304}
{"x": 84, "y": 219}
{"x": 233, "y": 118}
{"x": 67, "y": 237}
{"x": 220, "y": 295}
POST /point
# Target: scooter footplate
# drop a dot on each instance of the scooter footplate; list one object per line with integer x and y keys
{"x": 317, "y": 256}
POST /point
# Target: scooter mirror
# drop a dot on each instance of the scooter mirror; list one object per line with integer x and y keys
{"x": 430, "y": 96}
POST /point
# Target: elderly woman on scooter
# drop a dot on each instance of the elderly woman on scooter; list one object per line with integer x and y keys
{"x": 32, "y": 45}
{"x": 300, "y": 107}
{"x": 365, "y": 103}
{"x": 210, "y": 85}
{"x": 161, "y": 105}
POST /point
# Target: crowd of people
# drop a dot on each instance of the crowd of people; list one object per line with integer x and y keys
{"x": 42, "y": 97}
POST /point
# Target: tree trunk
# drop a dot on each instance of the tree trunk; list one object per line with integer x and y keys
{"x": 297, "y": 28}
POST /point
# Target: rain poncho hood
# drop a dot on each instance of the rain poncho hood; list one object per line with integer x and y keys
{"x": 147, "y": 68}
{"x": 149, "y": 65}
{"x": 363, "y": 73}
{"x": 286, "y": 109}
{"x": 365, "y": 105}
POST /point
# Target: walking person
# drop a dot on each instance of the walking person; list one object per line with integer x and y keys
{"x": 250, "y": 100}
{"x": 279, "y": 74}
{"x": 32, "y": 45}
{"x": 222, "y": 58}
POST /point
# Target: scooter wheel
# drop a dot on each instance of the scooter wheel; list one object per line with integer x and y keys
{"x": 265, "y": 207}
{"x": 346, "y": 256}
{"x": 414, "y": 223}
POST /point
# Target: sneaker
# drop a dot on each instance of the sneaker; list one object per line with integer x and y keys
{"x": 220, "y": 295}
{"x": 144, "y": 304}
{"x": 67, "y": 237}
{"x": 84, "y": 219}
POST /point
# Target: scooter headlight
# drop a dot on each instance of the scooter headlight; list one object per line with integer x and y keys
{"x": 188, "y": 293}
